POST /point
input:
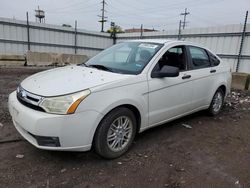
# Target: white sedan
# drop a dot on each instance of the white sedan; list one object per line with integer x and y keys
{"x": 125, "y": 89}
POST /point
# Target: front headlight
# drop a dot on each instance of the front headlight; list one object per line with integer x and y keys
{"x": 66, "y": 104}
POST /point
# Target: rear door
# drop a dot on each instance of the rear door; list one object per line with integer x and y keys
{"x": 202, "y": 76}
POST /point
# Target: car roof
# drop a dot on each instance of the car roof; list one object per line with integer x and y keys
{"x": 160, "y": 41}
{"x": 167, "y": 42}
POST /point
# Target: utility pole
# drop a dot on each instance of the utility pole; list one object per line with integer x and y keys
{"x": 179, "y": 33}
{"x": 113, "y": 33}
{"x": 75, "y": 37}
{"x": 243, "y": 35}
{"x": 103, "y": 17}
{"x": 185, "y": 15}
{"x": 28, "y": 30}
{"x": 141, "y": 36}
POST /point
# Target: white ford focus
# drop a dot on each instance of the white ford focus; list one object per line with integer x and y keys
{"x": 125, "y": 89}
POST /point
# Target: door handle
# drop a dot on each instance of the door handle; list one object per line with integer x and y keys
{"x": 186, "y": 77}
{"x": 212, "y": 71}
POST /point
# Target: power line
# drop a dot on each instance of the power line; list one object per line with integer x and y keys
{"x": 103, "y": 17}
{"x": 204, "y": 20}
{"x": 121, "y": 14}
{"x": 156, "y": 9}
{"x": 136, "y": 10}
{"x": 69, "y": 6}
{"x": 75, "y": 12}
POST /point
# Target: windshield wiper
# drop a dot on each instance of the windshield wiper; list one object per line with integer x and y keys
{"x": 102, "y": 67}
{"x": 82, "y": 64}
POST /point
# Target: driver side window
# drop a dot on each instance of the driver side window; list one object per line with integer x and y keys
{"x": 174, "y": 57}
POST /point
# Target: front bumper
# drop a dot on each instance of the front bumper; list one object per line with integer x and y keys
{"x": 73, "y": 132}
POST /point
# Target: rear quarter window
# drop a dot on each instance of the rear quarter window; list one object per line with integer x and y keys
{"x": 213, "y": 59}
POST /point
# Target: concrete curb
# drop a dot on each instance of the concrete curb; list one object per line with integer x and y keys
{"x": 48, "y": 59}
{"x": 248, "y": 83}
{"x": 12, "y": 60}
{"x": 240, "y": 81}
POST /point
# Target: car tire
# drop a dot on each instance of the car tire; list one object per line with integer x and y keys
{"x": 217, "y": 102}
{"x": 115, "y": 133}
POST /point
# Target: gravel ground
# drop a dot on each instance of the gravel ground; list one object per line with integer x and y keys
{"x": 194, "y": 151}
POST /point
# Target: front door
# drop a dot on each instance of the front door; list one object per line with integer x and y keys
{"x": 171, "y": 96}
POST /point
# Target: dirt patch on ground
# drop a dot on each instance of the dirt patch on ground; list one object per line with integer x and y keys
{"x": 212, "y": 152}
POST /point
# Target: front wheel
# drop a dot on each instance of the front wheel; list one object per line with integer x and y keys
{"x": 217, "y": 102}
{"x": 115, "y": 133}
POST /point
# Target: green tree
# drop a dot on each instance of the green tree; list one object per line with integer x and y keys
{"x": 116, "y": 29}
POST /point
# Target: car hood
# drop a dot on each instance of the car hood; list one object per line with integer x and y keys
{"x": 66, "y": 80}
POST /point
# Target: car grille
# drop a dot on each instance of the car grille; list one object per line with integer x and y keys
{"x": 28, "y": 99}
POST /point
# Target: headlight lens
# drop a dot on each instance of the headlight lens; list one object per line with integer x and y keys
{"x": 64, "y": 104}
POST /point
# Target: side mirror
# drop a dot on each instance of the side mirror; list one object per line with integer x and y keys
{"x": 166, "y": 71}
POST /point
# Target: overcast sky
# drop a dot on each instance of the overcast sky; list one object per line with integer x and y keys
{"x": 157, "y": 14}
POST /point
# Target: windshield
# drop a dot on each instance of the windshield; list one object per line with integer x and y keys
{"x": 125, "y": 58}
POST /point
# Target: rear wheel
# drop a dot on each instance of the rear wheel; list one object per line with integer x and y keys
{"x": 115, "y": 133}
{"x": 217, "y": 102}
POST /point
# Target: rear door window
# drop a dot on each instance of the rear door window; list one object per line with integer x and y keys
{"x": 199, "y": 57}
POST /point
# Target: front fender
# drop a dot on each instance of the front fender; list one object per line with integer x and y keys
{"x": 106, "y": 100}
